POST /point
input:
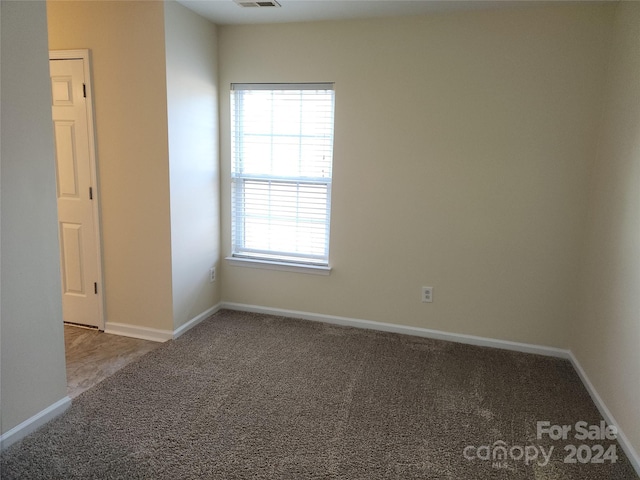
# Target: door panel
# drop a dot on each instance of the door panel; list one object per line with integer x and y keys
{"x": 79, "y": 258}
{"x": 72, "y": 268}
{"x": 66, "y": 161}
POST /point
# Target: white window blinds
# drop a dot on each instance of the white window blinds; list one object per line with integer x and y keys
{"x": 282, "y": 153}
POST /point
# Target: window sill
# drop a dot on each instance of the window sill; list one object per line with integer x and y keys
{"x": 282, "y": 266}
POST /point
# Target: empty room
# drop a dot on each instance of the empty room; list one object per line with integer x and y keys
{"x": 353, "y": 239}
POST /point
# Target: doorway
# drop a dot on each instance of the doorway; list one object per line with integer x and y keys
{"x": 77, "y": 188}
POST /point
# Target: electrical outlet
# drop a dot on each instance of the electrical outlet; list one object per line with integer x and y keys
{"x": 427, "y": 294}
{"x": 212, "y": 274}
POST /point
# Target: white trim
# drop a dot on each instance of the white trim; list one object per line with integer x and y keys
{"x": 196, "y": 320}
{"x": 80, "y": 54}
{"x": 631, "y": 453}
{"x": 85, "y": 56}
{"x": 33, "y": 423}
{"x": 145, "y": 333}
{"x": 155, "y": 334}
{"x": 283, "y": 86}
{"x": 282, "y": 266}
{"x": 404, "y": 329}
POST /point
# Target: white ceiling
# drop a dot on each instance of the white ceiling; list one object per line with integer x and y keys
{"x": 227, "y": 12}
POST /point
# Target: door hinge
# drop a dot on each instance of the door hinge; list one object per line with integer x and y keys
{"x": 84, "y": 90}
{"x": 95, "y": 287}
{"x": 90, "y": 193}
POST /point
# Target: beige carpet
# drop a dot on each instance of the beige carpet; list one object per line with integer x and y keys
{"x": 246, "y": 396}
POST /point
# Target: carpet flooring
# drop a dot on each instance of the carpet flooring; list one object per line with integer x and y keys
{"x": 248, "y": 396}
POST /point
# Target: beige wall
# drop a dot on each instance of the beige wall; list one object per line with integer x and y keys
{"x": 32, "y": 372}
{"x": 127, "y": 43}
{"x": 462, "y": 146}
{"x": 192, "y": 103}
{"x": 606, "y": 335}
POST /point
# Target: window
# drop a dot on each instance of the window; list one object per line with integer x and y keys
{"x": 282, "y": 154}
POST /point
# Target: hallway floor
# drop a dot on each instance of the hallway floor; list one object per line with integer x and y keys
{"x": 92, "y": 356}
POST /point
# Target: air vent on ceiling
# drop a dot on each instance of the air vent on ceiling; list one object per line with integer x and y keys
{"x": 269, "y": 3}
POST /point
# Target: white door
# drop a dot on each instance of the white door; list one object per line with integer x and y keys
{"x": 77, "y": 217}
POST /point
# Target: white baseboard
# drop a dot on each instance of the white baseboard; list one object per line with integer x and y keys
{"x": 404, "y": 329}
{"x": 196, "y": 320}
{"x": 32, "y": 424}
{"x": 631, "y": 453}
{"x": 145, "y": 333}
{"x": 155, "y": 334}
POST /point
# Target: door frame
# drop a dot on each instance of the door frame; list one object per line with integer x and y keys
{"x": 85, "y": 56}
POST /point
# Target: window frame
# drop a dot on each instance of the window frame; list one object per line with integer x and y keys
{"x": 241, "y": 254}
